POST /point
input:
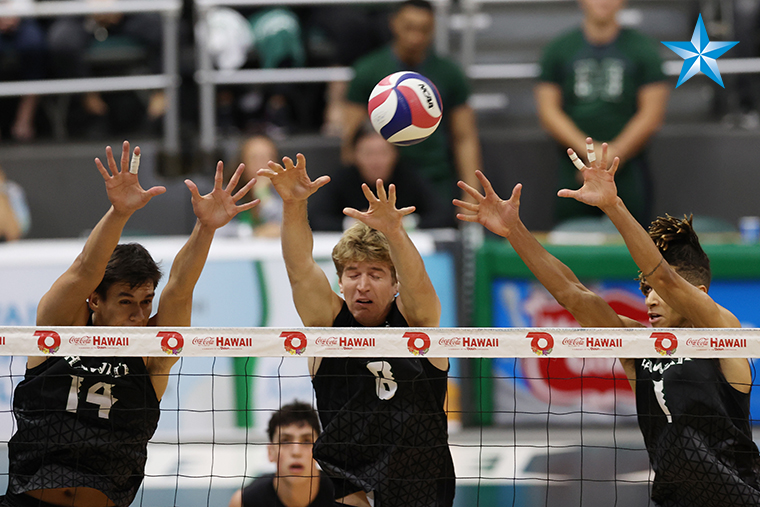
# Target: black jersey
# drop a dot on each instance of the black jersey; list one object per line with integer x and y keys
{"x": 83, "y": 422}
{"x": 261, "y": 493}
{"x": 384, "y": 426}
{"x": 697, "y": 432}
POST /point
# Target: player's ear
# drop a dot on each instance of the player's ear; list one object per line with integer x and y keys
{"x": 703, "y": 288}
{"x": 93, "y": 301}
{"x": 272, "y": 449}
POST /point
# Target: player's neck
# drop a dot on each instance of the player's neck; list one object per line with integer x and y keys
{"x": 412, "y": 59}
{"x": 296, "y": 491}
{"x": 600, "y": 33}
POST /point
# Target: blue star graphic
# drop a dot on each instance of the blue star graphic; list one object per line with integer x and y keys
{"x": 700, "y": 54}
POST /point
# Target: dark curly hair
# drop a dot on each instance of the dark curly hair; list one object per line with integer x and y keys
{"x": 296, "y": 412}
{"x": 130, "y": 263}
{"x": 679, "y": 245}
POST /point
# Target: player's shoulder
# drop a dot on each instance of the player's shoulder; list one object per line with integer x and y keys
{"x": 380, "y": 57}
{"x": 261, "y": 488}
{"x": 566, "y": 40}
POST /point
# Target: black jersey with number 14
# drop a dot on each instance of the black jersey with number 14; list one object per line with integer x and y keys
{"x": 384, "y": 426}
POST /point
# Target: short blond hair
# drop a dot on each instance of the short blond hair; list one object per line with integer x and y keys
{"x": 361, "y": 243}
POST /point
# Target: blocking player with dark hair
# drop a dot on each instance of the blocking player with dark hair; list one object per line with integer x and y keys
{"x": 297, "y": 482}
{"x": 693, "y": 413}
{"x": 84, "y": 422}
{"x": 384, "y": 437}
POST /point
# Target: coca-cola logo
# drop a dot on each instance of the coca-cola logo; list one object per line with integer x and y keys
{"x": 698, "y": 342}
{"x": 327, "y": 341}
{"x": 80, "y": 340}
{"x": 207, "y": 341}
{"x": 573, "y": 342}
{"x": 450, "y": 342}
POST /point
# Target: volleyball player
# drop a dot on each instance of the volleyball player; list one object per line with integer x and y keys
{"x": 384, "y": 440}
{"x": 84, "y": 422}
{"x": 297, "y": 482}
{"x": 693, "y": 413}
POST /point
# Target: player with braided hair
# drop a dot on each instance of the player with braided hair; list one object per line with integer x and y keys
{"x": 693, "y": 413}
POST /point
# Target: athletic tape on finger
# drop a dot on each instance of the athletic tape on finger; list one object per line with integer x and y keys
{"x": 135, "y": 164}
{"x": 591, "y": 152}
{"x": 578, "y": 163}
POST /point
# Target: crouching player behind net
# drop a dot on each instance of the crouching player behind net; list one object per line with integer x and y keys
{"x": 693, "y": 413}
{"x": 84, "y": 422}
{"x": 384, "y": 440}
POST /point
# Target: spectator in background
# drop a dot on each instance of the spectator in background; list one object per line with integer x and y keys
{"x": 605, "y": 82}
{"x": 70, "y": 38}
{"x": 452, "y": 152}
{"x": 264, "y": 220}
{"x": 22, "y": 53}
{"x": 376, "y": 159}
{"x": 297, "y": 482}
{"x": 14, "y": 211}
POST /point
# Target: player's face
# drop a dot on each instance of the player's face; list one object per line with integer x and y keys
{"x": 375, "y": 158}
{"x": 369, "y": 289}
{"x": 660, "y": 314}
{"x": 291, "y": 451}
{"x": 601, "y": 11}
{"x": 413, "y": 29}
{"x": 123, "y": 305}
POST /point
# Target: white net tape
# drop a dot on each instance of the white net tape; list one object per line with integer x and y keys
{"x": 378, "y": 342}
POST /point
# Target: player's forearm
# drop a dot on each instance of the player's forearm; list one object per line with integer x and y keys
{"x": 644, "y": 252}
{"x": 416, "y": 288}
{"x": 635, "y": 135}
{"x": 553, "y": 274}
{"x": 189, "y": 262}
{"x": 353, "y": 116}
{"x": 562, "y": 128}
{"x": 101, "y": 243}
{"x": 297, "y": 239}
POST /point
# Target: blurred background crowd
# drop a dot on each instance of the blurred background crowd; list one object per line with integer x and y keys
{"x": 198, "y": 80}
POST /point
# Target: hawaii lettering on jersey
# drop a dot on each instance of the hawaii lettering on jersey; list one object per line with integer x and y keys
{"x": 111, "y": 370}
{"x": 660, "y": 367}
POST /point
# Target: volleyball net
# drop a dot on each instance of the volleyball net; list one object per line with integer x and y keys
{"x": 537, "y": 416}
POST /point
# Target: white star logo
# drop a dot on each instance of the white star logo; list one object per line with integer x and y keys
{"x": 700, "y": 54}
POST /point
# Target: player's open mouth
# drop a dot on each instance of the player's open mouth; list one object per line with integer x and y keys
{"x": 364, "y": 301}
{"x": 653, "y": 317}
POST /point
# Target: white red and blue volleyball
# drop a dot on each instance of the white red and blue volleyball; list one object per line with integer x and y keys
{"x": 405, "y": 108}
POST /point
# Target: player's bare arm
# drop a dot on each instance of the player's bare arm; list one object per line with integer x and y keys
{"x": 418, "y": 301}
{"x": 213, "y": 210}
{"x": 554, "y": 119}
{"x": 65, "y": 304}
{"x": 503, "y": 218}
{"x": 688, "y": 300}
{"x": 651, "y": 103}
{"x": 317, "y": 304}
{"x": 465, "y": 145}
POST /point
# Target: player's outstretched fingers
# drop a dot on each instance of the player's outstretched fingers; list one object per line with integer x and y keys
{"x": 125, "y": 156}
{"x": 368, "y": 193}
{"x": 134, "y": 165}
{"x": 466, "y": 205}
{"x": 380, "y": 187}
{"x": 591, "y": 154}
{"x": 577, "y": 162}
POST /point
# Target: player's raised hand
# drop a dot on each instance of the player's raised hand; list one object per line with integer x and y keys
{"x": 122, "y": 185}
{"x": 218, "y": 207}
{"x": 598, "y": 180}
{"x": 382, "y": 214}
{"x": 291, "y": 181}
{"x": 490, "y": 210}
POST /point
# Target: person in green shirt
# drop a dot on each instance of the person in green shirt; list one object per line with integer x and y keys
{"x": 605, "y": 82}
{"x": 452, "y": 152}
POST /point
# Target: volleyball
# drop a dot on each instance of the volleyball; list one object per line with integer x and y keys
{"x": 405, "y": 108}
